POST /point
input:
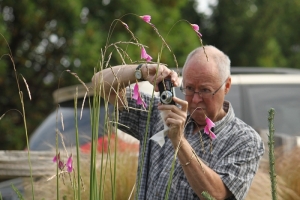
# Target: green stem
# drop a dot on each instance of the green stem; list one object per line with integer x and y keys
{"x": 77, "y": 148}
{"x": 271, "y": 153}
{"x": 146, "y": 133}
{"x": 207, "y": 196}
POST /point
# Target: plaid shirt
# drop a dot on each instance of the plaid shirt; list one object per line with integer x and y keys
{"x": 235, "y": 153}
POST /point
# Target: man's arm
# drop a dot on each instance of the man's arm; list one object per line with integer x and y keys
{"x": 112, "y": 81}
{"x": 199, "y": 175}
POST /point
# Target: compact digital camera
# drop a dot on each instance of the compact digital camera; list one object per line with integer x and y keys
{"x": 166, "y": 91}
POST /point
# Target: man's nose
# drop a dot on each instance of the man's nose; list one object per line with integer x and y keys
{"x": 197, "y": 97}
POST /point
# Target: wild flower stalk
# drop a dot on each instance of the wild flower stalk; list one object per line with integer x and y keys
{"x": 77, "y": 148}
{"x": 271, "y": 153}
{"x": 95, "y": 113}
{"x": 23, "y": 110}
{"x": 207, "y": 196}
{"x": 146, "y": 133}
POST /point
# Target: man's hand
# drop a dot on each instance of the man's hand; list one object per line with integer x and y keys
{"x": 149, "y": 74}
{"x": 175, "y": 118}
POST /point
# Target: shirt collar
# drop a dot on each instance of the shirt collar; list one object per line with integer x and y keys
{"x": 219, "y": 125}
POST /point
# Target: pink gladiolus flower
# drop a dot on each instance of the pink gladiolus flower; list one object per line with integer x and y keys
{"x": 146, "y": 18}
{"x": 207, "y": 128}
{"x": 136, "y": 95}
{"x": 144, "y": 55}
{"x": 195, "y": 27}
{"x": 69, "y": 164}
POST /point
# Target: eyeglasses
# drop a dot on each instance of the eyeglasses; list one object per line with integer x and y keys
{"x": 204, "y": 93}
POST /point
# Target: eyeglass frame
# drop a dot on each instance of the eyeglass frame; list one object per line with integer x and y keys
{"x": 201, "y": 93}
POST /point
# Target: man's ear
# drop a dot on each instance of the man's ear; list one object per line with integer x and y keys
{"x": 227, "y": 85}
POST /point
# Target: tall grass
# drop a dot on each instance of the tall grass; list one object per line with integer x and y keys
{"x": 287, "y": 169}
{"x": 126, "y": 166}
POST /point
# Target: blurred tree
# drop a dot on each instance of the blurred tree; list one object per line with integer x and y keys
{"x": 48, "y": 37}
{"x": 256, "y": 32}
{"x": 38, "y": 34}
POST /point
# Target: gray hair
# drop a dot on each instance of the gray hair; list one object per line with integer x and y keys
{"x": 213, "y": 53}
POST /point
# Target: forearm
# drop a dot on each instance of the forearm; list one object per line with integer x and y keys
{"x": 199, "y": 175}
{"x": 114, "y": 78}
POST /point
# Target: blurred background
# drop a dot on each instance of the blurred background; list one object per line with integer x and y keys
{"x": 46, "y": 38}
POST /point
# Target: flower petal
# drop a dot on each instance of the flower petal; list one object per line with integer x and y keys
{"x": 61, "y": 165}
{"x": 144, "y": 54}
{"x": 146, "y": 18}
{"x": 136, "y": 94}
{"x": 207, "y": 128}
{"x": 56, "y": 158}
{"x": 212, "y": 135}
{"x": 149, "y": 58}
{"x": 209, "y": 123}
{"x": 199, "y": 34}
{"x": 195, "y": 27}
{"x": 70, "y": 164}
{"x": 141, "y": 102}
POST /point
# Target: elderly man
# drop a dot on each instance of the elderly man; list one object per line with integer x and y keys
{"x": 221, "y": 161}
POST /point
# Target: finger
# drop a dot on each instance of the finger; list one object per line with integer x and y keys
{"x": 174, "y": 78}
{"x": 182, "y": 103}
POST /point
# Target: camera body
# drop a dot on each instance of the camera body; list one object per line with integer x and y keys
{"x": 166, "y": 91}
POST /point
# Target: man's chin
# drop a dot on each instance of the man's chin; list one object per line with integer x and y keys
{"x": 199, "y": 118}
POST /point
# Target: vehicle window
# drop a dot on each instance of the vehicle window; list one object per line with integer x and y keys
{"x": 285, "y": 99}
{"x": 44, "y": 138}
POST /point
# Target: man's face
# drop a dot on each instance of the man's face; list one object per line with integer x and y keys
{"x": 203, "y": 77}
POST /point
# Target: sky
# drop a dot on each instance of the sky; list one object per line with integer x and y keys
{"x": 203, "y": 6}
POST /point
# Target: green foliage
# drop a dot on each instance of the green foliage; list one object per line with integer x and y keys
{"x": 256, "y": 32}
{"x": 48, "y": 37}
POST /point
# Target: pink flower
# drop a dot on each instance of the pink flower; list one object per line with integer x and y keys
{"x": 195, "y": 27}
{"x": 136, "y": 95}
{"x": 61, "y": 164}
{"x": 146, "y": 18}
{"x": 144, "y": 55}
{"x": 56, "y": 158}
{"x": 207, "y": 128}
{"x": 69, "y": 164}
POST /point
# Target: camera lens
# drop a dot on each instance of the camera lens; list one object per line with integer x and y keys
{"x": 166, "y": 97}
